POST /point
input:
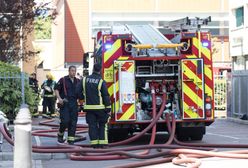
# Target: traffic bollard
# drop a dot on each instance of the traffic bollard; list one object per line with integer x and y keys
{"x": 22, "y": 143}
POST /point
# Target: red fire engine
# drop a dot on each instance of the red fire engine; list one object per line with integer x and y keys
{"x": 138, "y": 60}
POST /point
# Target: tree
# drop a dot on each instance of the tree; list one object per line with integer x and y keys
{"x": 16, "y": 27}
{"x": 10, "y": 92}
{"x": 42, "y": 28}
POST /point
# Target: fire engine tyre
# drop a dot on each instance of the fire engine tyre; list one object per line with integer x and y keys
{"x": 181, "y": 136}
{"x": 190, "y": 133}
{"x": 197, "y": 133}
{"x": 196, "y": 137}
{"x": 117, "y": 134}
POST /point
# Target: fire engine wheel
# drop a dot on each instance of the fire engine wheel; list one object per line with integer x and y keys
{"x": 190, "y": 133}
{"x": 117, "y": 134}
{"x": 182, "y": 136}
{"x": 196, "y": 137}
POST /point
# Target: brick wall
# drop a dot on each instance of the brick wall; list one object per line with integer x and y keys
{"x": 76, "y": 30}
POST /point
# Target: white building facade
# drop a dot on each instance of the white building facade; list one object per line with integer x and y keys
{"x": 238, "y": 34}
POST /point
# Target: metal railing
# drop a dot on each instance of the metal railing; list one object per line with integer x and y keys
{"x": 220, "y": 92}
{"x": 17, "y": 81}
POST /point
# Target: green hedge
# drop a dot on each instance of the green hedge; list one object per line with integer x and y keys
{"x": 10, "y": 91}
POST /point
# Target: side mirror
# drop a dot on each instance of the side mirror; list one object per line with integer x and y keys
{"x": 86, "y": 60}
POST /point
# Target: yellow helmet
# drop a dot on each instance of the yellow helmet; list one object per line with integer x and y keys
{"x": 49, "y": 76}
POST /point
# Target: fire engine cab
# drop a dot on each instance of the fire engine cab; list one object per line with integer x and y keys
{"x": 139, "y": 61}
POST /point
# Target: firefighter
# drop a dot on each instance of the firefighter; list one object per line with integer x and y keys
{"x": 65, "y": 91}
{"x": 33, "y": 83}
{"x": 97, "y": 106}
{"x": 48, "y": 96}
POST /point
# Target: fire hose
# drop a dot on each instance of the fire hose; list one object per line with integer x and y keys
{"x": 189, "y": 154}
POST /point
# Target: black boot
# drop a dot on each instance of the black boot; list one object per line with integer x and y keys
{"x": 61, "y": 138}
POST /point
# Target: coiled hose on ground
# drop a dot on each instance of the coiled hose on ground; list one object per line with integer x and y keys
{"x": 181, "y": 153}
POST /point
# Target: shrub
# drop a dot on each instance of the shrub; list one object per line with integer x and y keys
{"x": 10, "y": 92}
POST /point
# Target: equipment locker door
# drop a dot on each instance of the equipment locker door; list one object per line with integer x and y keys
{"x": 193, "y": 89}
{"x": 124, "y": 90}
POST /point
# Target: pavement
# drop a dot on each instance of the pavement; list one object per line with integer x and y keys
{"x": 39, "y": 160}
{"x": 211, "y": 163}
{"x": 6, "y": 150}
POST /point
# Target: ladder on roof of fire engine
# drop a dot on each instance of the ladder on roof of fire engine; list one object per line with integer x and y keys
{"x": 147, "y": 34}
{"x": 187, "y": 23}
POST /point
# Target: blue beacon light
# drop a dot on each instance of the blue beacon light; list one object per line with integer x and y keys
{"x": 205, "y": 44}
{"x": 108, "y": 46}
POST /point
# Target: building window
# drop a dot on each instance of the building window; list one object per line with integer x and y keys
{"x": 239, "y": 13}
{"x": 238, "y": 63}
{"x": 237, "y": 41}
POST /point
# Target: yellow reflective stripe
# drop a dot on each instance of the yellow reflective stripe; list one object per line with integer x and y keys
{"x": 94, "y": 142}
{"x": 111, "y": 51}
{"x": 206, "y": 52}
{"x": 103, "y": 142}
{"x": 191, "y": 56}
{"x": 93, "y": 107}
{"x": 71, "y": 138}
{"x": 49, "y": 96}
{"x": 195, "y": 42}
{"x": 117, "y": 105}
{"x": 199, "y": 44}
{"x": 106, "y": 132}
{"x": 208, "y": 72}
{"x": 84, "y": 92}
{"x": 123, "y": 58}
{"x": 111, "y": 90}
{"x": 99, "y": 91}
{"x": 127, "y": 114}
{"x": 117, "y": 86}
{"x": 208, "y": 90}
{"x": 189, "y": 111}
{"x": 108, "y": 106}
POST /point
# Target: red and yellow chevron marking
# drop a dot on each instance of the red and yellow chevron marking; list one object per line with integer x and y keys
{"x": 205, "y": 53}
{"x": 113, "y": 51}
{"x": 109, "y": 56}
{"x": 192, "y": 85}
{"x": 127, "y": 111}
{"x": 112, "y": 54}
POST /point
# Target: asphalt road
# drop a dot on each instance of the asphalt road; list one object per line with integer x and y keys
{"x": 221, "y": 131}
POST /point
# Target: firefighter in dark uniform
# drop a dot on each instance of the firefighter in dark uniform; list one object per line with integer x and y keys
{"x": 65, "y": 91}
{"x": 97, "y": 106}
{"x": 33, "y": 83}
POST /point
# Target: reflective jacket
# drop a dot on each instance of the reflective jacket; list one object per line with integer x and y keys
{"x": 48, "y": 86}
{"x": 95, "y": 93}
